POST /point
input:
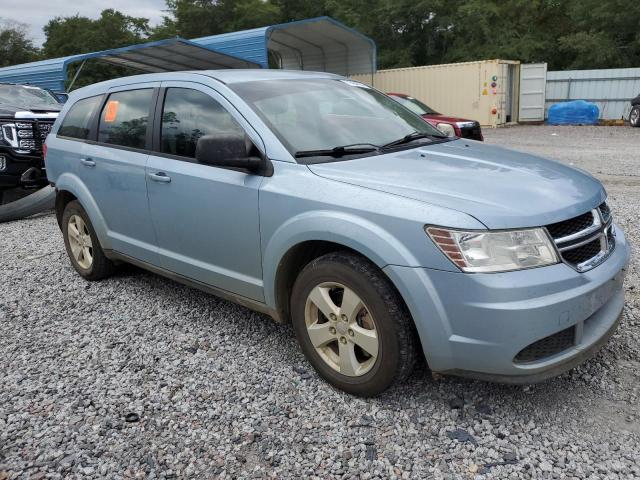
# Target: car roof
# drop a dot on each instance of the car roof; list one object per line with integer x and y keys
{"x": 228, "y": 76}
{"x": 252, "y": 75}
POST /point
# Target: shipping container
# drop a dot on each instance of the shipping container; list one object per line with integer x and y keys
{"x": 486, "y": 91}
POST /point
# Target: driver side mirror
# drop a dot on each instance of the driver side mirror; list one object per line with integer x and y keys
{"x": 228, "y": 150}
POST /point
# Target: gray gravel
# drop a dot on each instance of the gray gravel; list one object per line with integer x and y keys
{"x": 139, "y": 377}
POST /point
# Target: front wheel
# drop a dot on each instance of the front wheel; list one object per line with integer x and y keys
{"x": 352, "y": 325}
{"x": 634, "y": 116}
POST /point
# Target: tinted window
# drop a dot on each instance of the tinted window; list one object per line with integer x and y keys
{"x": 76, "y": 122}
{"x": 189, "y": 115}
{"x": 124, "y": 118}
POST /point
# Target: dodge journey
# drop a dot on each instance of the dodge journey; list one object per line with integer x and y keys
{"x": 322, "y": 202}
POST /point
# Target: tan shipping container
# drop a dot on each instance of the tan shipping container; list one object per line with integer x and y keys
{"x": 458, "y": 89}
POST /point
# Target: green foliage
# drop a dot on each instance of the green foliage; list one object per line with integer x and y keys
{"x": 73, "y": 35}
{"x": 15, "y": 47}
{"x": 564, "y": 33}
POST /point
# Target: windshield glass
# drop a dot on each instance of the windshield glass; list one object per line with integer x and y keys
{"x": 24, "y": 96}
{"x": 324, "y": 113}
{"x": 415, "y": 105}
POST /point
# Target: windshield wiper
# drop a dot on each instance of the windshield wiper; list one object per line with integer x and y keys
{"x": 340, "y": 151}
{"x": 411, "y": 137}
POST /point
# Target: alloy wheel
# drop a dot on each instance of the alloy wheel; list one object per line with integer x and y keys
{"x": 341, "y": 329}
{"x": 80, "y": 241}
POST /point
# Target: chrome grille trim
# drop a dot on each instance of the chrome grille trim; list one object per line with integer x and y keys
{"x": 600, "y": 229}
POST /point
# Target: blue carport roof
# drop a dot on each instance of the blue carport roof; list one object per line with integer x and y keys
{"x": 321, "y": 44}
{"x": 173, "y": 54}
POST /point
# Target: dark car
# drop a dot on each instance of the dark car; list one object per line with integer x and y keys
{"x": 450, "y": 126}
{"x": 26, "y": 116}
{"x": 634, "y": 115}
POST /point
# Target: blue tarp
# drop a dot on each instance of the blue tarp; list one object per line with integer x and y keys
{"x": 577, "y": 112}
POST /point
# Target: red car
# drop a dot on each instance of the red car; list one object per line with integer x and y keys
{"x": 450, "y": 126}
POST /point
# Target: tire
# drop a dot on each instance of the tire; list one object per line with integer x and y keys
{"x": 38, "y": 201}
{"x": 91, "y": 264}
{"x": 381, "y": 313}
{"x": 634, "y": 116}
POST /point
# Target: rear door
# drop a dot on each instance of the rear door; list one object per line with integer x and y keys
{"x": 205, "y": 217}
{"x": 113, "y": 168}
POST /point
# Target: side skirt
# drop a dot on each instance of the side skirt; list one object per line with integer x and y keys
{"x": 224, "y": 294}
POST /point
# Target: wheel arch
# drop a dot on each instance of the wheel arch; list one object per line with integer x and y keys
{"x": 63, "y": 198}
{"x": 69, "y": 188}
{"x": 303, "y": 239}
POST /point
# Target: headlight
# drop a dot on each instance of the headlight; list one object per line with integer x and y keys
{"x": 447, "y": 129}
{"x": 9, "y": 134}
{"x": 484, "y": 251}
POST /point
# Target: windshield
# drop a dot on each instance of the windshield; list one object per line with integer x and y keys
{"x": 324, "y": 113}
{"x": 24, "y": 96}
{"x": 415, "y": 105}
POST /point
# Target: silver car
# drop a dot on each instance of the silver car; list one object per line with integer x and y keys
{"x": 322, "y": 202}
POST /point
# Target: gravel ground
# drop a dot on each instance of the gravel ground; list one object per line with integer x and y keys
{"x": 139, "y": 377}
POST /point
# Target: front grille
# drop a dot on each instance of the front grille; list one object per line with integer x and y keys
{"x": 548, "y": 346}
{"x": 585, "y": 241}
{"x": 27, "y": 135}
{"x": 571, "y": 226}
{"x": 473, "y": 132}
{"x": 583, "y": 253}
{"x": 605, "y": 211}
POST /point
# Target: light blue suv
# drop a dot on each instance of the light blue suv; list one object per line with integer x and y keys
{"x": 322, "y": 202}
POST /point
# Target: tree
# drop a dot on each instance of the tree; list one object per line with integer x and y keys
{"x": 605, "y": 34}
{"x": 73, "y": 35}
{"x": 198, "y": 18}
{"x": 15, "y": 46}
{"x": 563, "y": 33}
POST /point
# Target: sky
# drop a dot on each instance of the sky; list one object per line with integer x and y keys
{"x": 37, "y": 13}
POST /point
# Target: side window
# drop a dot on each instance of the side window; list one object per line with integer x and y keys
{"x": 188, "y": 115}
{"x": 125, "y": 117}
{"x": 76, "y": 121}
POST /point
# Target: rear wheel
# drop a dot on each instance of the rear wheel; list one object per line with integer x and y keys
{"x": 352, "y": 325}
{"x": 634, "y": 116}
{"x": 82, "y": 244}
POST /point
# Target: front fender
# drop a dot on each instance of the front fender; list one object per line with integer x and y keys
{"x": 375, "y": 243}
{"x": 71, "y": 183}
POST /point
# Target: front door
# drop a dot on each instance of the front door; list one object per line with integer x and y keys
{"x": 205, "y": 217}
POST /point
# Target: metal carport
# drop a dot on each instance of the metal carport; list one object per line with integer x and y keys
{"x": 162, "y": 56}
{"x": 321, "y": 44}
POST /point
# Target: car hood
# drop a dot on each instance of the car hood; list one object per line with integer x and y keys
{"x": 7, "y": 110}
{"x": 499, "y": 187}
{"x": 444, "y": 118}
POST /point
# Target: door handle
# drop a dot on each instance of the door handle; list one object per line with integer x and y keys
{"x": 160, "y": 177}
{"x": 87, "y": 162}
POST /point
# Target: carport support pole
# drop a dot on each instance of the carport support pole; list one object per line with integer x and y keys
{"x": 75, "y": 76}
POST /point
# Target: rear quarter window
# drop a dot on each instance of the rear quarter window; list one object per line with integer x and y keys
{"x": 125, "y": 118}
{"x": 77, "y": 121}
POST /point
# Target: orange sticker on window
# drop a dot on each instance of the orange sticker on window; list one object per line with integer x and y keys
{"x": 111, "y": 111}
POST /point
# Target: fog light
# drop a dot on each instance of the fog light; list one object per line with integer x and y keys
{"x": 3, "y": 163}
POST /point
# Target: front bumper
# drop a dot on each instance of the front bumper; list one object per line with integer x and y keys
{"x": 476, "y": 324}
{"x": 16, "y": 165}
